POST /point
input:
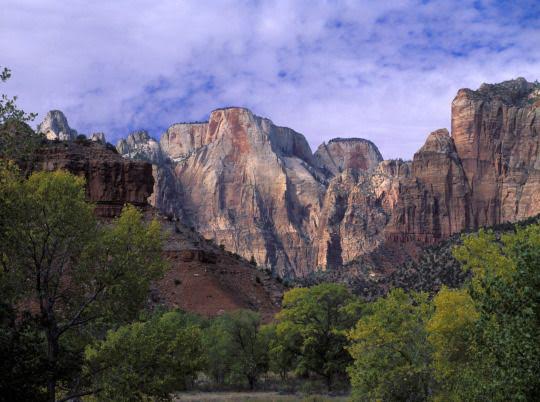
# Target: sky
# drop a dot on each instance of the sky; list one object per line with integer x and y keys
{"x": 382, "y": 70}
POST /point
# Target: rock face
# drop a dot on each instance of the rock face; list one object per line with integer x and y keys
{"x": 434, "y": 199}
{"x": 56, "y": 127}
{"x": 111, "y": 181}
{"x": 99, "y": 137}
{"x": 341, "y": 154}
{"x": 257, "y": 188}
{"x": 139, "y": 145}
{"x": 497, "y": 135}
{"x": 202, "y": 278}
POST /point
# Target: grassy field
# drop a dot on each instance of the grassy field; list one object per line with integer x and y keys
{"x": 254, "y": 397}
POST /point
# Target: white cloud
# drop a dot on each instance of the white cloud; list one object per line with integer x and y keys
{"x": 386, "y": 71}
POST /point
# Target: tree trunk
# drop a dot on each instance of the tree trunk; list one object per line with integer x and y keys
{"x": 329, "y": 382}
{"x": 52, "y": 358}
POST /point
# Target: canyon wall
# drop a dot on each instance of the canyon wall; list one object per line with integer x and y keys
{"x": 257, "y": 188}
{"x": 201, "y": 276}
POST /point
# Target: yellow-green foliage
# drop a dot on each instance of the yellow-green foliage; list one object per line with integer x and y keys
{"x": 390, "y": 349}
{"x": 450, "y": 333}
{"x": 503, "y": 357}
{"x": 147, "y": 359}
{"x": 311, "y": 334}
{"x": 486, "y": 257}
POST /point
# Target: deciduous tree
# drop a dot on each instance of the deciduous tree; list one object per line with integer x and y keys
{"x": 390, "y": 350}
{"x": 312, "y": 328}
{"x": 76, "y": 275}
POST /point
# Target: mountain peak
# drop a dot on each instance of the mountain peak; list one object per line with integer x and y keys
{"x": 55, "y": 127}
{"x": 340, "y": 154}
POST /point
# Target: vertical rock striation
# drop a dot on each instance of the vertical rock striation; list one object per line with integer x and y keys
{"x": 350, "y": 153}
{"x": 496, "y": 131}
{"x": 257, "y": 188}
{"x": 55, "y": 127}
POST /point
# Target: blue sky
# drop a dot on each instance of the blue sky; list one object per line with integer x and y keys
{"x": 382, "y": 70}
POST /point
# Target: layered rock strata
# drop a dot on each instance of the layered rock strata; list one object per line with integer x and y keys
{"x": 201, "y": 276}
{"x": 258, "y": 189}
{"x": 111, "y": 180}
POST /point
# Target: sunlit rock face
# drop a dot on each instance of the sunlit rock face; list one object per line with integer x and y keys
{"x": 249, "y": 184}
{"x": 258, "y": 189}
{"x": 111, "y": 181}
{"x": 55, "y": 127}
{"x": 139, "y": 145}
{"x": 98, "y": 137}
{"x": 341, "y": 154}
{"x": 496, "y": 132}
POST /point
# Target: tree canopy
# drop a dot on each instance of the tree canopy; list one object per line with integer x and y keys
{"x": 148, "y": 359}
{"x": 390, "y": 349}
{"x": 77, "y": 276}
{"x": 312, "y": 330}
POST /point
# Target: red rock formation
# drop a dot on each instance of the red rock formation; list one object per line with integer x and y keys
{"x": 496, "y": 131}
{"x": 112, "y": 181}
{"x": 342, "y": 154}
{"x": 203, "y": 278}
{"x": 258, "y": 189}
{"x": 433, "y": 200}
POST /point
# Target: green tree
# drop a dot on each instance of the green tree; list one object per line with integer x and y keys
{"x": 505, "y": 289}
{"x": 18, "y": 142}
{"x": 23, "y": 356}
{"x": 8, "y": 108}
{"x": 237, "y": 351}
{"x": 148, "y": 359}
{"x": 390, "y": 350}
{"x": 283, "y": 348}
{"x": 312, "y": 330}
{"x": 450, "y": 332}
{"x": 77, "y": 275}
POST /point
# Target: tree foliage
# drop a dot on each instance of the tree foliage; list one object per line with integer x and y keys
{"x": 390, "y": 349}
{"x": 8, "y": 108}
{"x": 237, "y": 350}
{"x": 77, "y": 276}
{"x": 147, "y": 359}
{"x": 23, "y": 353}
{"x": 450, "y": 332}
{"x": 506, "y": 293}
{"x": 18, "y": 142}
{"x": 312, "y": 330}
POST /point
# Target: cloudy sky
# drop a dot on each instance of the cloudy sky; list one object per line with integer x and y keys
{"x": 382, "y": 70}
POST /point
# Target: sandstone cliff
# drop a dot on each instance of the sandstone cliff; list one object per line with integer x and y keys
{"x": 111, "y": 181}
{"x": 56, "y": 127}
{"x": 202, "y": 277}
{"x": 350, "y": 153}
{"x": 496, "y": 131}
{"x": 257, "y": 189}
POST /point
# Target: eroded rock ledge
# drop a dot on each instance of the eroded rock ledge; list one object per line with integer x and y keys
{"x": 258, "y": 189}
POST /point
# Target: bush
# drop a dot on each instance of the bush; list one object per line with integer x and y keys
{"x": 170, "y": 344}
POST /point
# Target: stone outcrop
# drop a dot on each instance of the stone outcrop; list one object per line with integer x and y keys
{"x": 111, "y": 180}
{"x": 99, "y": 137}
{"x": 140, "y": 146}
{"x": 342, "y": 154}
{"x": 496, "y": 131}
{"x": 56, "y": 127}
{"x": 257, "y": 188}
{"x": 434, "y": 199}
{"x": 201, "y": 277}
